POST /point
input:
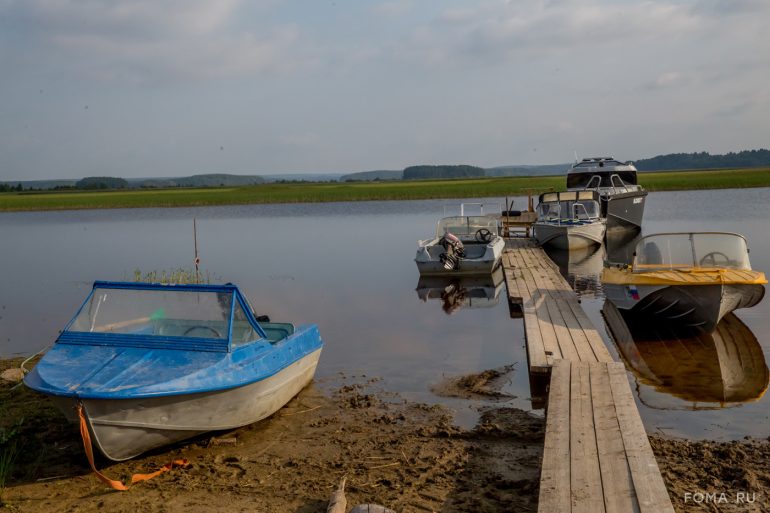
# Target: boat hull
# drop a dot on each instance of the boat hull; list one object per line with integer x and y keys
{"x": 124, "y": 428}
{"x": 624, "y": 211}
{"x": 693, "y": 306}
{"x": 565, "y": 236}
{"x": 481, "y": 259}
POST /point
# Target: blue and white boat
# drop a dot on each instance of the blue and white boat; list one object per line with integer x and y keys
{"x": 155, "y": 364}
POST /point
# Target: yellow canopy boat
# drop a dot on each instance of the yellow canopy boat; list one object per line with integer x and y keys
{"x": 689, "y": 279}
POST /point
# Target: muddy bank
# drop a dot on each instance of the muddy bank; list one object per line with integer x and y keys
{"x": 406, "y": 456}
{"x": 715, "y": 476}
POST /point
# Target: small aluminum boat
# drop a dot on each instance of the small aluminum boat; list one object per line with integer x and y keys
{"x": 155, "y": 364}
{"x": 569, "y": 220}
{"x": 463, "y": 246}
{"x": 688, "y": 279}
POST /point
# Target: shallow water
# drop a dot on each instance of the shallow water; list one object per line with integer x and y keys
{"x": 349, "y": 268}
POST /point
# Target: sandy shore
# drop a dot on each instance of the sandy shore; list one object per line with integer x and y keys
{"x": 403, "y": 455}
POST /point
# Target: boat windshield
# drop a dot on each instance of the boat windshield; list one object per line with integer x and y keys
{"x": 582, "y": 210}
{"x": 691, "y": 250}
{"x": 160, "y": 312}
{"x": 592, "y": 178}
{"x": 466, "y": 225}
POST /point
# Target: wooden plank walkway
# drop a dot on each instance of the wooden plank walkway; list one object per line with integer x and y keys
{"x": 555, "y": 324}
{"x": 597, "y": 457}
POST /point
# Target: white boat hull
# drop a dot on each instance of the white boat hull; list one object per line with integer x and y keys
{"x": 479, "y": 259}
{"x": 566, "y": 236}
{"x": 124, "y": 428}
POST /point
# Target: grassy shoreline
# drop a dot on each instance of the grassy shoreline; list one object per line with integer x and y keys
{"x": 360, "y": 191}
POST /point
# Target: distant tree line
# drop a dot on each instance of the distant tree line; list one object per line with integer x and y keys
{"x": 101, "y": 182}
{"x": 6, "y": 187}
{"x": 704, "y": 160}
{"x": 442, "y": 172}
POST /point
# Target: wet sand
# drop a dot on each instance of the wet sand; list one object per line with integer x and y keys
{"x": 403, "y": 455}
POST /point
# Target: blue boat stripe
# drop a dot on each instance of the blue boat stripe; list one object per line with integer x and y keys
{"x": 144, "y": 341}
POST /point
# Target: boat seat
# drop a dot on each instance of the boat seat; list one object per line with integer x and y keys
{"x": 276, "y": 331}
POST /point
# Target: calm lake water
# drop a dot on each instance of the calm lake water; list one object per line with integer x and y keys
{"x": 349, "y": 268}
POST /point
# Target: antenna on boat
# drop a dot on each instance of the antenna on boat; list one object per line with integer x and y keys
{"x": 197, "y": 260}
{"x": 576, "y": 157}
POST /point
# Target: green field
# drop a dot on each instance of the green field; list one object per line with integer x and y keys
{"x": 361, "y": 191}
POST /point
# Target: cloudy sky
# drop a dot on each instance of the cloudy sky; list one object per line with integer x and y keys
{"x": 174, "y": 87}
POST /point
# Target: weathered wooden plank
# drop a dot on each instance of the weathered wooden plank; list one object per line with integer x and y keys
{"x": 648, "y": 483}
{"x": 617, "y": 485}
{"x": 555, "y": 473}
{"x": 585, "y": 474}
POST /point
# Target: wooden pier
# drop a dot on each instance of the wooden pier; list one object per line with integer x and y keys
{"x": 597, "y": 457}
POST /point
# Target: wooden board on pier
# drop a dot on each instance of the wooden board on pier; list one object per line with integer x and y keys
{"x": 597, "y": 457}
{"x": 555, "y": 324}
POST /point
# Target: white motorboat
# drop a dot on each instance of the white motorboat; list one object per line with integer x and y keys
{"x": 569, "y": 220}
{"x": 463, "y": 245}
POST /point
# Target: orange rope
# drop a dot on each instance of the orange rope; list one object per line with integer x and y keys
{"x": 118, "y": 485}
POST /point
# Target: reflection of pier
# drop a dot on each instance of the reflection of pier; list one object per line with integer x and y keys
{"x": 724, "y": 367}
{"x": 597, "y": 456}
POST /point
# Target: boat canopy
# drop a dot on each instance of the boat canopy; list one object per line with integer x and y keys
{"x": 569, "y": 205}
{"x": 462, "y": 226}
{"x": 190, "y": 317}
{"x": 690, "y": 251}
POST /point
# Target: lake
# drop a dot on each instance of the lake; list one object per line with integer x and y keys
{"x": 349, "y": 268}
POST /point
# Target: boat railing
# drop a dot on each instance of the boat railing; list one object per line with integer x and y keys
{"x": 491, "y": 207}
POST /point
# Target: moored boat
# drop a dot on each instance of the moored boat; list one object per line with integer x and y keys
{"x": 689, "y": 279}
{"x": 463, "y": 245}
{"x": 621, "y": 197}
{"x": 154, "y": 364}
{"x": 569, "y": 220}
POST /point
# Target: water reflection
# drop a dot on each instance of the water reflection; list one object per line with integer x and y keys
{"x": 581, "y": 268}
{"x": 707, "y": 370}
{"x": 465, "y": 292}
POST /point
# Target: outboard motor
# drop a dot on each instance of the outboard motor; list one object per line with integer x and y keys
{"x": 454, "y": 251}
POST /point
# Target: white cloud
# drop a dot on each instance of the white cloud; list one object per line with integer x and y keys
{"x": 149, "y": 40}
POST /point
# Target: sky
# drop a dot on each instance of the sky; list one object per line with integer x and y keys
{"x": 144, "y": 88}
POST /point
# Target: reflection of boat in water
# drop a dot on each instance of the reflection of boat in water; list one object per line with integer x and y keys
{"x": 148, "y": 365}
{"x": 569, "y": 220}
{"x": 462, "y": 292}
{"x": 622, "y": 199}
{"x": 688, "y": 279}
{"x": 463, "y": 245}
{"x": 581, "y": 268}
{"x": 724, "y": 366}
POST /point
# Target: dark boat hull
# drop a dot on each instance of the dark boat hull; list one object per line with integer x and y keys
{"x": 624, "y": 211}
{"x": 699, "y": 307}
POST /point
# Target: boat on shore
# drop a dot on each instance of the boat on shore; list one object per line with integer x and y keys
{"x": 151, "y": 364}
{"x": 621, "y": 197}
{"x": 569, "y": 220}
{"x": 690, "y": 279}
{"x": 463, "y": 245}
{"x": 708, "y": 369}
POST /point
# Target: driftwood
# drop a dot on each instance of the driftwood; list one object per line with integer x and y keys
{"x": 338, "y": 503}
{"x": 371, "y": 508}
